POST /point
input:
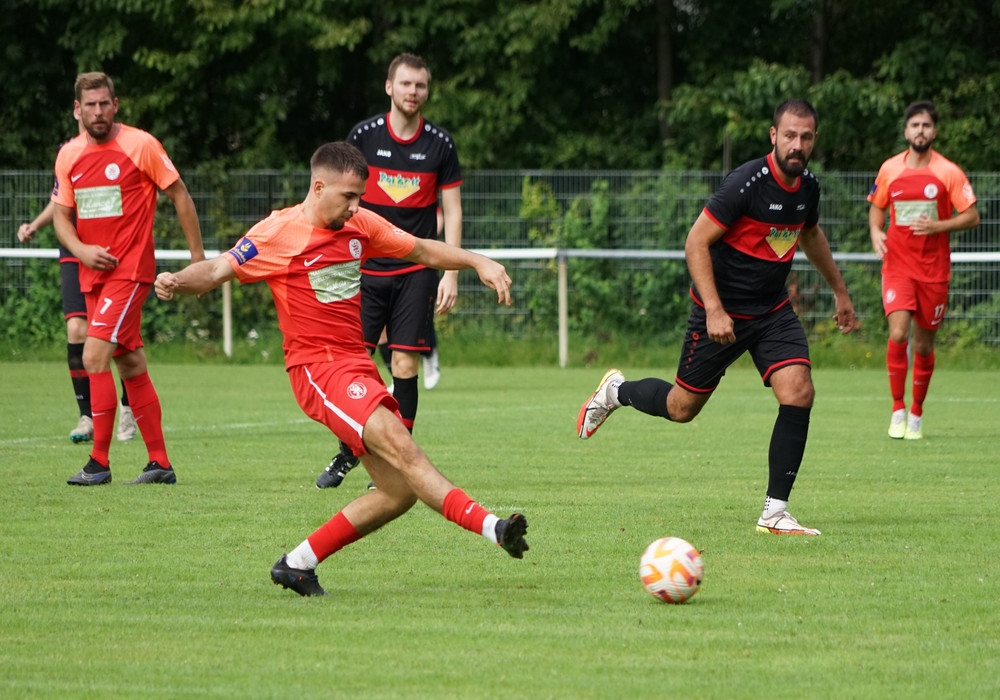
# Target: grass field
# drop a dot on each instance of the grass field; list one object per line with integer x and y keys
{"x": 157, "y": 591}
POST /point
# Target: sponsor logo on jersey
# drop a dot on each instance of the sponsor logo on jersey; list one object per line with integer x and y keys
{"x": 167, "y": 163}
{"x": 244, "y": 251}
{"x": 782, "y": 240}
{"x": 336, "y": 282}
{"x": 397, "y": 186}
{"x": 775, "y": 207}
{"x": 98, "y": 202}
{"x": 383, "y": 153}
{"x": 418, "y": 156}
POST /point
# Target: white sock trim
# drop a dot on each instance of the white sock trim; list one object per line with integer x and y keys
{"x": 302, "y": 557}
{"x": 490, "y": 528}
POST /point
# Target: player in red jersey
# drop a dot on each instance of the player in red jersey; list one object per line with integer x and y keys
{"x": 922, "y": 190}
{"x": 311, "y": 256}
{"x": 739, "y": 252}
{"x": 109, "y": 177}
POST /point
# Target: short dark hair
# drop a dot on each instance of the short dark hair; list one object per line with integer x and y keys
{"x": 800, "y": 108}
{"x": 919, "y": 106}
{"x": 340, "y": 157}
{"x": 92, "y": 81}
{"x": 410, "y": 60}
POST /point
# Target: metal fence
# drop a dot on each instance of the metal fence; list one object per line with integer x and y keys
{"x": 628, "y": 212}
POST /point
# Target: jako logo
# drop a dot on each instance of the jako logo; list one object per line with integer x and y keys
{"x": 775, "y": 207}
{"x": 383, "y": 153}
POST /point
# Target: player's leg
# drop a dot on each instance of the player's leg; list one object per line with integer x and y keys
{"x": 899, "y": 301}
{"x": 126, "y": 418}
{"x": 411, "y": 313}
{"x": 97, "y": 354}
{"x": 75, "y": 312}
{"x": 701, "y": 366}
{"x": 782, "y": 358}
{"x": 430, "y": 364}
{"x": 146, "y": 407}
{"x": 932, "y": 302}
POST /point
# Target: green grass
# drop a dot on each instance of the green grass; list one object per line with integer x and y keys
{"x": 159, "y": 591}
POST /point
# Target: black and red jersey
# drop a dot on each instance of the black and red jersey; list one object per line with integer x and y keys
{"x": 404, "y": 179}
{"x": 763, "y": 218}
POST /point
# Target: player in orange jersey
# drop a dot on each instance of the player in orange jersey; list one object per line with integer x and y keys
{"x": 922, "y": 190}
{"x": 109, "y": 176}
{"x": 311, "y": 256}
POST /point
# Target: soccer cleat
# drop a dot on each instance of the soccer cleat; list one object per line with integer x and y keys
{"x": 333, "y": 475}
{"x": 432, "y": 370}
{"x": 155, "y": 474}
{"x": 302, "y": 581}
{"x": 914, "y": 428}
{"x": 93, "y": 474}
{"x": 897, "y": 424}
{"x": 783, "y": 523}
{"x": 84, "y": 430}
{"x": 510, "y": 535}
{"x": 126, "y": 423}
{"x": 597, "y": 408}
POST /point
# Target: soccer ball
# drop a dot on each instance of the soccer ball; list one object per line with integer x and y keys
{"x": 671, "y": 569}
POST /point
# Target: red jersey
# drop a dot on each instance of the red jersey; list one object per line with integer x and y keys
{"x": 113, "y": 187}
{"x": 938, "y": 190}
{"x": 315, "y": 277}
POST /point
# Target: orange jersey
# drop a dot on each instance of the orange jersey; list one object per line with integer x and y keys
{"x": 938, "y": 190}
{"x": 113, "y": 187}
{"x": 315, "y": 277}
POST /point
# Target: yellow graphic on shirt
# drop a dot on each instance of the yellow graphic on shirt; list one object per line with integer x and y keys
{"x": 782, "y": 240}
{"x": 398, "y": 187}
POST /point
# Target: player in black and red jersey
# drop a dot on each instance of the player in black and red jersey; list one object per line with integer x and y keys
{"x": 411, "y": 160}
{"x": 739, "y": 253}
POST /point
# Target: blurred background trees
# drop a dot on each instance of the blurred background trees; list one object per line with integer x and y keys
{"x": 582, "y": 84}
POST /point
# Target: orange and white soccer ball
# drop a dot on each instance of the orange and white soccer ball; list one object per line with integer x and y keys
{"x": 671, "y": 569}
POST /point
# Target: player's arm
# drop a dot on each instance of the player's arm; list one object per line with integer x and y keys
{"x": 443, "y": 256}
{"x": 923, "y": 225}
{"x": 451, "y": 208}
{"x": 814, "y": 244}
{"x": 700, "y": 238}
{"x": 876, "y": 228}
{"x": 187, "y": 216}
{"x": 196, "y": 278}
{"x": 25, "y": 232}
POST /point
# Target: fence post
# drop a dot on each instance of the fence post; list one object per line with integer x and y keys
{"x": 563, "y": 308}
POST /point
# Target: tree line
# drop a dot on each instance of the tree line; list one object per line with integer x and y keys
{"x": 574, "y": 84}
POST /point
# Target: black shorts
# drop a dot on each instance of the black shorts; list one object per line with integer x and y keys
{"x": 774, "y": 340}
{"x": 401, "y": 304}
{"x": 73, "y": 303}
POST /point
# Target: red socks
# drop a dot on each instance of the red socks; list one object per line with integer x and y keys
{"x": 923, "y": 367}
{"x": 333, "y": 536}
{"x": 148, "y": 415}
{"x": 103, "y": 402}
{"x": 897, "y": 364}
{"x": 463, "y": 511}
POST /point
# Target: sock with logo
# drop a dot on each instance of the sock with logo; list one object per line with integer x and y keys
{"x": 897, "y": 364}
{"x": 148, "y": 416}
{"x": 464, "y": 512}
{"x": 923, "y": 368}
{"x": 104, "y": 403}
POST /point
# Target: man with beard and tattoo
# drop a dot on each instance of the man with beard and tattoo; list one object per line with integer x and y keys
{"x": 923, "y": 190}
{"x": 739, "y": 252}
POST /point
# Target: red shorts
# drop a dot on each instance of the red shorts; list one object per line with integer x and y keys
{"x": 926, "y": 300}
{"x": 342, "y": 395}
{"x": 114, "y": 313}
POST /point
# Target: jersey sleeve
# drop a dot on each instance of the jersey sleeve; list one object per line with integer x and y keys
{"x": 63, "y": 190}
{"x": 727, "y": 204}
{"x": 149, "y": 155}
{"x": 384, "y": 239}
{"x": 959, "y": 188}
{"x": 265, "y": 250}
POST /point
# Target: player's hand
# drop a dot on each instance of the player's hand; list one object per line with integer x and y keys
{"x": 845, "y": 318}
{"x": 494, "y": 276}
{"x": 25, "y": 232}
{"x": 165, "y": 285}
{"x": 878, "y": 244}
{"x": 719, "y": 325}
{"x": 922, "y": 225}
{"x": 97, "y": 258}
{"x": 447, "y": 293}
